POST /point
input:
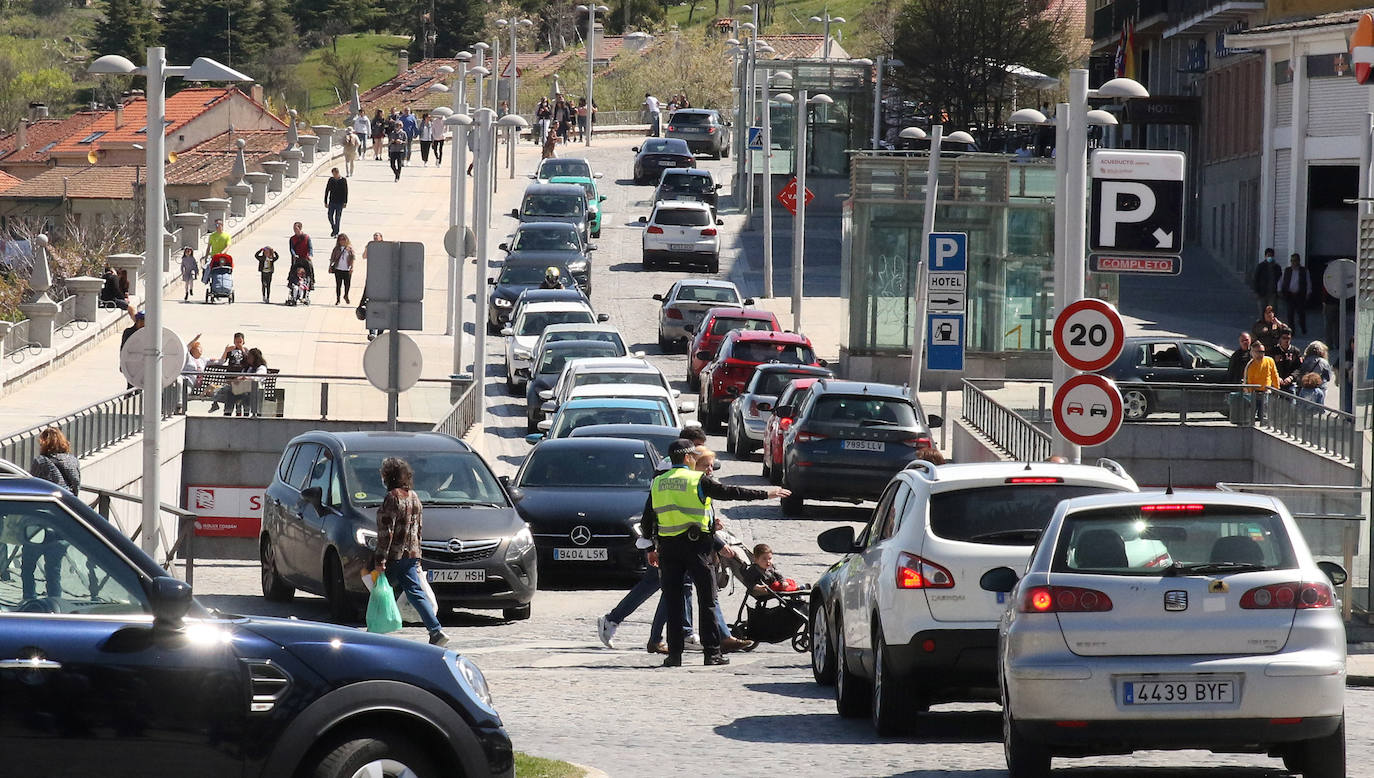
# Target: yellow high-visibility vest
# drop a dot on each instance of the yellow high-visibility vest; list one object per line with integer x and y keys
{"x": 677, "y": 505}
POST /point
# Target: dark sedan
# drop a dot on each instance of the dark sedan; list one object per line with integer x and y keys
{"x": 659, "y": 435}
{"x": 1149, "y": 360}
{"x": 658, "y": 154}
{"x": 553, "y": 243}
{"x": 702, "y": 129}
{"x": 583, "y": 498}
{"x": 518, "y": 275}
{"x": 548, "y": 366}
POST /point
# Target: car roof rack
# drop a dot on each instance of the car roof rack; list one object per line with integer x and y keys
{"x": 926, "y": 469}
{"x": 1115, "y": 467}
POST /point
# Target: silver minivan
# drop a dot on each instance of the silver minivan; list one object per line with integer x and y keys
{"x": 555, "y": 203}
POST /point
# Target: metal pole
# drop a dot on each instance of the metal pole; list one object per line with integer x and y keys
{"x": 1059, "y": 372}
{"x": 496, "y": 72}
{"x": 481, "y": 58}
{"x": 591, "y": 53}
{"x": 877, "y": 102}
{"x": 482, "y": 219}
{"x": 153, "y": 206}
{"x": 767, "y": 193}
{"x": 742, "y": 129}
{"x": 749, "y": 77}
{"x": 799, "y": 221}
{"x": 393, "y": 367}
{"x": 1076, "y": 205}
{"x": 514, "y": 69}
{"x": 918, "y": 289}
{"x": 457, "y": 210}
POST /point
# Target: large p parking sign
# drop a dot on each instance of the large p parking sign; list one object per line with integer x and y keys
{"x": 1137, "y": 202}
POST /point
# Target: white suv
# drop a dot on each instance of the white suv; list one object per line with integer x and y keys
{"x": 681, "y": 231}
{"x": 529, "y": 325}
{"x": 901, "y": 622}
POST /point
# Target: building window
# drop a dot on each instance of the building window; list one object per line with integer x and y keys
{"x": 92, "y": 138}
{"x": 1283, "y": 72}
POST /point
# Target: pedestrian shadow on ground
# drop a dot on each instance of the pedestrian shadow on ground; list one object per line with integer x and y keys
{"x": 627, "y": 266}
{"x": 802, "y": 691}
{"x": 829, "y": 729}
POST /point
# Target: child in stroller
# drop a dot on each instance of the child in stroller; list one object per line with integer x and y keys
{"x": 774, "y": 608}
{"x": 298, "y": 283}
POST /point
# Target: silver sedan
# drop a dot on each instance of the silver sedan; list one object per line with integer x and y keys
{"x": 687, "y": 300}
{"x": 1173, "y": 621}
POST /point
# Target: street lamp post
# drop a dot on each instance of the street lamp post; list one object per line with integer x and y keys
{"x": 782, "y": 78}
{"x": 157, "y": 71}
{"x": 751, "y": 57}
{"x": 591, "y": 11}
{"x": 487, "y": 124}
{"x": 481, "y": 70}
{"x": 826, "y": 19}
{"x": 799, "y": 221}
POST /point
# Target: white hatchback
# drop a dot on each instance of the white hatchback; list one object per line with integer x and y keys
{"x": 1223, "y": 634}
{"x": 681, "y": 231}
{"x": 529, "y": 324}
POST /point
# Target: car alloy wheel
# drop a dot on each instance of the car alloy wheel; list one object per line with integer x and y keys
{"x": 889, "y": 704}
{"x": 340, "y": 609}
{"x": 1135, "y": 403}
{"x": 732, "y": 437}
{"x": 274, "y": 587}
{"x": 851, "y": 691}
{"x": 383, "y": 756}
{"x": 822, "y": 651}
{"x": 1024, "y": 758}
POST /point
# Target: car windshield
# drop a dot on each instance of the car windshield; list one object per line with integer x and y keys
{"x": 528, "y": 275}
{"x": 858, "y": 409}
{"x": 767, "y": 351}
{"x": 688, "y": 117}
{"x": 692, "y": 184}
{"x": 774, "y": 381}
{"x": 664, "y": 146}
{"x": 554, "y": 359}
{"x": 625, "y": 467}
{"x": 600, "y": 378}
{"x": 441, "y": 478}
{"x": 534, "y": 322}
{"x": 1173, "y": 539}
{"x": 547, "y": 240}
{"x": 570, "y": 419}
{"x": 1007, "y": 515}
{"x": 724, "y": 324}
{"x": 707, "y": 294}
{"x": 601, "y": 335}
{"x": 565, "y": 167}
{"x": 87, "y": 576}
{"x": 554, "y": 205}
{"x": 682, "y": 217}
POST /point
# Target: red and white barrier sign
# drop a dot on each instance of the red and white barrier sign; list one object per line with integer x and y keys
{"x": 226, "y": 511}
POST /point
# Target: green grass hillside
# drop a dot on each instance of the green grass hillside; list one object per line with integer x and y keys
{"x": 378, "y": 55}
{"x": 858, "y": 35}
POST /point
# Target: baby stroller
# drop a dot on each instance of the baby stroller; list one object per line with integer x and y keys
{"x": 297, "y": 287}
{"x": 773, "y": 617}
{"x": 219, "y": 278}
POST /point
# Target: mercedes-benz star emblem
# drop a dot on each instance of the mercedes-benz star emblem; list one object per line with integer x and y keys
{"x": 580, "y": 535}
{"x": 455, "y": 545}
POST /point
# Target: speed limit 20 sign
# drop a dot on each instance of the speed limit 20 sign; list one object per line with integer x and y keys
{"x": 1088, "y": 335}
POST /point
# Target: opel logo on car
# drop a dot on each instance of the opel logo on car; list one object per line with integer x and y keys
{"x": 580, "y": 535}
{"x": 1176, "y": 600}
{"x": 455, "y": 545}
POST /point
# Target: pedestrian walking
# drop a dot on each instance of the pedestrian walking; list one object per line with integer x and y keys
{"x": 412, "y": 128}
{"x": 190, "y": 268}
{"x": 1293, "y": 286}
{"x": 1260, "y": 377}
{"x": 543, "y": 117}
{"x": 1314, "y": 374}
{"x": 562, "y": 118}
{"x": 1287, "y": 361}
{"x": 396, "y": 149}
{"x": 362, "y": 128}
{"x": 350, "y": 152}
{"x": 267, "y": 264}
{"x": 1235, "y": 368}
{"x": 1266, "y": 282}
{"x": 400, "y": 524}
{"x": 426, "y": 139}
{"x": 299, "y": 244}
{"x": 651, "y": 114}
{"x": 217, "y": 242}
{"x": 378, "y": 134}
{"x": 335, "y": 200}
{"x": 1267, "y": 330}
{"x": 677, "y": 517}
{"x": 439, "y": 135}
{"x": 341, "y": 265}
{"x": 583, "y": 117}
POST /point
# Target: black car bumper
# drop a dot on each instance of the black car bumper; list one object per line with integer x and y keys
{"x": 1083, "y": 738}
{"x": 952, "y": 664}
{"x": 685, "y": 257}
{"x": 823, "y": 480}
{"x": 621, "y": 556}
{"x": 497, "y": 747}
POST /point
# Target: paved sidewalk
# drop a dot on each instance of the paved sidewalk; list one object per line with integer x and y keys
{"x": 320, "y": 339}
{"x": 1359, "y": 667}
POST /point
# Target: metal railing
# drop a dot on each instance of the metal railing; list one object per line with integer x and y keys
{"x": 181, "y": 549}
{"x": 16, "y": 338}
{"x": 465, "y": 411}
{"x": 97, "y": 426}
{"x": 1006, "y": 428}
{"x": 1328, "y": 430}
{"x": 317, "y": 397}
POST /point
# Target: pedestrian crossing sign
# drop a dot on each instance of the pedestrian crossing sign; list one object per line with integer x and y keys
{"x": 755, "y": 139}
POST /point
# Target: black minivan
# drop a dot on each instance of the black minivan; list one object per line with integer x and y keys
{"x": 319, "y": 522}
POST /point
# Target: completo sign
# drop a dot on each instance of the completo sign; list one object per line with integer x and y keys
{"x": 226, "y": 511}
{"x": 1143, "y": 265}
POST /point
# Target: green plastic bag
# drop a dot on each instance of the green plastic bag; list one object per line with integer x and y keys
{"x": 382, "y": 614}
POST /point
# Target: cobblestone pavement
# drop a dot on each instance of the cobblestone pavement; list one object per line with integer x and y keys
{"x": 563, "y": 695}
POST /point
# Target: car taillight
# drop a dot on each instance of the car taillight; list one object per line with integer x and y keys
{"x": 1289, "y": 596}
{"x": 673, "y": 313}
{"x": 753, "y": 407}
{"x": 1063, "y": 599}
{"x": 807, "y": 437}
{"x": 914, "y": 572}
{"x": 671, "y": 128}
{"x": 709, "y": 231}
{"x": 785, "y": 422}
{"x": 654, "y": 229}
{"x": 710, "y": 130}
{"x": 920, "y": 441}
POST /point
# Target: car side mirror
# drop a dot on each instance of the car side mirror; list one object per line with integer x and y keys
{"x": 491, "y": 281}
{"x": 784, "y": 411}
{"x": 704, "y": 356}
{"x": 602, "y": 318}
{"x": 764, "y": 407}
{"x": 635, "y": 149}
{"x": 522, "y": 372}
{"x": 592, "y": 247}
{"x": 600, "y": 198}
{"x": 548, "y": 406}
{"x": 838, "y": 540}
{"x": 748, "y": 301}
{"x": 532, "y": 177}
{"x": 822, "y": 363}
{"x": 313, "y": 495}
{"x": 644, "y": 220}
{"x": 534, "y": 437}
{"x": 675, "y": 393}
{"x": 1334, "y": 572}
{"x": 504, "y": 247}
{"x": 720, "y": 222}
{"x": 687, "y": 406}
{"x": 170, "y": 600}
{"x": 639, "y": 354}
{"x": 546, "y": 394}
{"x": 691, "y": 328}
{"x": 715, "y": 465}
{"x": 658, "y": 297}
{"x": 516, "y": 494}
{"x": 718, "y": 186}
{"x": 505, "y": 481}
{"x": 545, "y": 425}
{"x": 999, "y": 579}
{"x": 935, "y": 421}
{"x": 515, "y": 213}
{"x": 599, "y": 175}
{"x": 507, "y": 331}
{"x": 732, "y": 390}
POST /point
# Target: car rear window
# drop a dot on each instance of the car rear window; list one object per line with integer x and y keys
{"x": 1173, "y": 538}
{"x": 554, "y": 205}
{"x": 603, "y": 378}
{"x": 724, "y": 324}
{"x": 773, "y": 382}
{"x": 665, "y": 146}
{"x": 679, "y": 217}
{"x": 1007, "y": 515}
{"x": 601, "y": 335}
{"x": 553, "y": 360}
{"x": 564, "y": 167}
{"x": 764, "y": 351}
{"x": 547, "y": 240}
{"x": 708, "y": 294}
{"x": 693, "y": 184}
{"x": 682, "y": 117}
{"x": 865, "y": 411}
{"x": 569, "y": 420}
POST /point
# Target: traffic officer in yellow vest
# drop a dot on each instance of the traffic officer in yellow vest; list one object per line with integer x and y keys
{"x": 677, "y": 517}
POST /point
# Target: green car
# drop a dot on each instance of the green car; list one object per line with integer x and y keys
{"x": 594, "y": 198}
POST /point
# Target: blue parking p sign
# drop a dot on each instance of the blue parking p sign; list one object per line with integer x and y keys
{"x": 947, "y": 252}
{"x": 945, "y": 341}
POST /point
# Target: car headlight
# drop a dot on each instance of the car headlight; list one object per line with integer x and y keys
{"x": 578, "y": 266}
{"x": 501, "y": 302}
{"x": 470, "y": 678}
{"x": 521, "y": 353}
{"x": 366, "y": 537}
{"x": 520, "y": 543}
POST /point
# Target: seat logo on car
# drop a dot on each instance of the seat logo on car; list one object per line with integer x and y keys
{"x": 455, "y": 545}
{"x": 1176, "y": 600}
{"x": 580, "y": 535}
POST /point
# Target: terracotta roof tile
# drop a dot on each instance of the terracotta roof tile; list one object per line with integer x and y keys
{"x": 7, "y": 181}
{"x": 800, "y": 46}
{"x": 98, "y": 183}
{"x": 180, "y": 109}
{"x": 1335, "y": 18}
{"x": 214, "y": 159}
{"x": 43, "y": 135}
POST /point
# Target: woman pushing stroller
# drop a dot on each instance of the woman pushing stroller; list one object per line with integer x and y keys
{"x": 299, "y": 281}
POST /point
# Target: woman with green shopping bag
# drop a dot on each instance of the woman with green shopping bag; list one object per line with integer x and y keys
{"x": 399, "y": 529}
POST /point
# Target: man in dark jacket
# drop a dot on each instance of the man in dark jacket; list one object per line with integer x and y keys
{"x": 1288, "y": 361}
{"x": 1293, "y": 287}
{"x": 1235, "y": 369}
{"x": 1266, "y": 283}
{"x": 335, "y": 198}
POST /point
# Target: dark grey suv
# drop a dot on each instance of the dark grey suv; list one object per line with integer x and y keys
{"x": 703, "y": 130}
{"x": 319, "y": 522}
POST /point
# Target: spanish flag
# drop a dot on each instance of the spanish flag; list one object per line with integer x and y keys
{"x": 1128, "y": 56}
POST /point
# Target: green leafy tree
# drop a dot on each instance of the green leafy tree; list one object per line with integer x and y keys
{"x": 128, "y": 28}
{"x": 956, "y": 52}
{"x": 225, "y": 30}
{"x": 630, "y": 15}
{"x": 457, "y": 25}
{"x": 25, "y": 77}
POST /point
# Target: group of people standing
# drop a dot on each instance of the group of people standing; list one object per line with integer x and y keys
{"x": 397, "y": 132}
{"x": 1266, "y": 360}
{"x": 559, "y": 120}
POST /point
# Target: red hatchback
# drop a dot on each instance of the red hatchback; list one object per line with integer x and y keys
{"x": 729, "y": 372}
{"x": 711, "y": 330}
{"x": 776, "y": 425}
